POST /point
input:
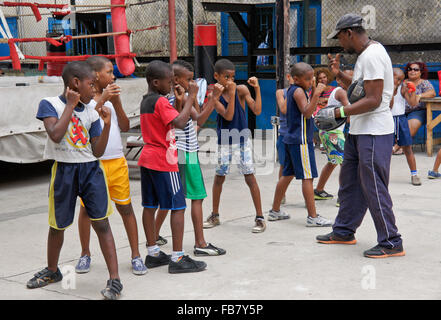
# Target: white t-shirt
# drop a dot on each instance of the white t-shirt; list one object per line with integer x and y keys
{"x": 333, "y": 101}
{"x": 372, "y": 64}
{"x": 399, "y": 106}
{"x": 75, "y": 146}
{"x": 114, "y": 148}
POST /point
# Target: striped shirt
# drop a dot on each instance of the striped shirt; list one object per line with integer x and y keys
{"x": 186, "y": 140}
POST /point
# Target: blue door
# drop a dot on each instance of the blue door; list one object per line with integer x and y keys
{"x": 4, "y": 47}
{"x": 296, "y": 19}
{"x": 61, "y": 26}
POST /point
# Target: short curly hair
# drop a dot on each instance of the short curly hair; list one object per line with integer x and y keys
{"x": 326, "y": 71}
{"x": 423, "y": 69}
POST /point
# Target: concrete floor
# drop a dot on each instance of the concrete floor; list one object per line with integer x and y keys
{"x": 284, "y": 262}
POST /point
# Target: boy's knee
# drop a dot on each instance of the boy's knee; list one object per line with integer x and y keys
{"x": 407, "y": 150}
{"x": 218, "y": 180}
{"x": 101, "y": 226}
{"x": 124, "y": 209}
{"x": 250, "y": 179}
{"x": 55, "y": 232}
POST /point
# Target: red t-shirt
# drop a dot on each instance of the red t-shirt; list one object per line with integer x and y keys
{"x": 159, "y": 152}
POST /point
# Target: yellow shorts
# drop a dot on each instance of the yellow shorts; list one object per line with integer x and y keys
{"x": 117, "y": 173}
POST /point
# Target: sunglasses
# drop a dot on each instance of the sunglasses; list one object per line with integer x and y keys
{"x": 413, "y": 69}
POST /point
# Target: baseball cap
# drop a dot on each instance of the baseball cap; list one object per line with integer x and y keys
{"x": 349, "y": 20}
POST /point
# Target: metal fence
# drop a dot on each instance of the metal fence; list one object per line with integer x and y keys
{"x": 154, "y": 16}
{"x": 391, "y": 23}
{"x": 407, "y": 22}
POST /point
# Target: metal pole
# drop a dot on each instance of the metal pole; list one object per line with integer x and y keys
{"x": 306, "y": 27}
{"x": 190, "y": 26}
{"x": 172, "y": 28}
{"x": 282, "y": 58}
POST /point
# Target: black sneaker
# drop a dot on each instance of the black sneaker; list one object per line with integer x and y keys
{"x": 332, "y": 238}
{"x": 186, "y": 264}
{"x": 161, "y": 260}
{"x": 383, "y": 252}
{"x": 113, "y": 289}
{"x": 44, "y": 277}
{"x": 161, "y": 241}
{"x": 209, "y": 250}
{"x": 322, "y": 195}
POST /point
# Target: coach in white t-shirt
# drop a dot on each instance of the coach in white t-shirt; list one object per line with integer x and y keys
{"x": 364, "y": 175}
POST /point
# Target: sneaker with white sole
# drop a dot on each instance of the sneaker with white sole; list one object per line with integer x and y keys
{"x": 260, "y": 226}
{"x": 415, "y": 180}
{"x": 277, "y": 215}
{"x": 212, "y": 221}
{"x": 318, "y": 221}
{"x": 83, "y": 265}
{"x": 322, "y": 195}
{"x": 433, "y": 174}
{"x": 138, "y": 266}
{"x": 209, "y": 250}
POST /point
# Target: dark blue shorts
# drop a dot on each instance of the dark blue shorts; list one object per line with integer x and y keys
{"x": 163, "y": 189}
{"x": 281, "y": 150}
{"x": 71, "y": 180}
{"x": 402, "y": 132}
{"x": 300, "y": 161}
{"x": 419, "y": 115}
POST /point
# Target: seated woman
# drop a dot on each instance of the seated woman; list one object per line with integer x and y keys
{"x": 416, "y": 74}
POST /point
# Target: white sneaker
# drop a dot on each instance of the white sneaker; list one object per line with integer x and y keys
{"x": 318, "y": 221}
{"x": 277, "y": 215}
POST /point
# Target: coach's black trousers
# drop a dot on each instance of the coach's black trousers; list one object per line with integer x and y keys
{"x": 364, "y": 180}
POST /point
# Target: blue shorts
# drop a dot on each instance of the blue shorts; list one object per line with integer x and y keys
{"x": 163, "y": 189}
{"x": 70, "y": 180}
{"x": 300, "y": 161}
{"x": 402, "y": 132}
{"x": 281, "y": 150}
{"x": 419, "y": 115}
{"x": 240, "y": 154}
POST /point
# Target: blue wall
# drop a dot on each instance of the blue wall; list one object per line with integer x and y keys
{"x": 4, "y": 47}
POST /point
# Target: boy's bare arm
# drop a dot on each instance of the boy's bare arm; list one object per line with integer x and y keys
{"x": 342, "y": 97}
{"x": 244, "y": 94}
{"x": 181, "y": 120}
{"x": 208, "y": 107}
{"x": 99, "y": 143}
{"x": 228, "y": 112}
{"x": 112, "y": 93}
{"x": 56, "y": 128}
{"x": 281, "y": 101}
{"x": 123, "y": 120}
{"x": 179, "y": 93}
{"x": 307, "y": 109}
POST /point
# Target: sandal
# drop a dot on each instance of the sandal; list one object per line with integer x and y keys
{"x": 113, "y": 289}
{"x": 398, "y": 152}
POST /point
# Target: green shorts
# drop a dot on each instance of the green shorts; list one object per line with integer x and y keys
{"x": 191, "y": 175}
{"x": 334, "y": 143}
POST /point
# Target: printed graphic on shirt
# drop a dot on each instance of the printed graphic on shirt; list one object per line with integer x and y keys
{"x": 77, "y": 136}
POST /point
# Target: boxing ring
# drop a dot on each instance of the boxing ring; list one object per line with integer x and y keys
{"x": 22, "y": 136}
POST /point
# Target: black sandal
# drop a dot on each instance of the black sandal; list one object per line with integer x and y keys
{"x": 112, "y": 290}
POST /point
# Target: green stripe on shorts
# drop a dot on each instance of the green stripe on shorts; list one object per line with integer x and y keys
{"x": 191, "y": 175}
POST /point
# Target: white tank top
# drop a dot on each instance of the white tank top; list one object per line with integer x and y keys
{"x": 333, "y": 101}
{"x": 399, "y": 106}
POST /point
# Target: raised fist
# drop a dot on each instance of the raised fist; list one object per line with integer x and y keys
{"x": 253, "y": 81}
{"x": 193, "y": 88}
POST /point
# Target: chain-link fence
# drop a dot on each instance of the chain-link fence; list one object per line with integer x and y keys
{"x": 391, "y": 23}
{"x": 155, "y": 42}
